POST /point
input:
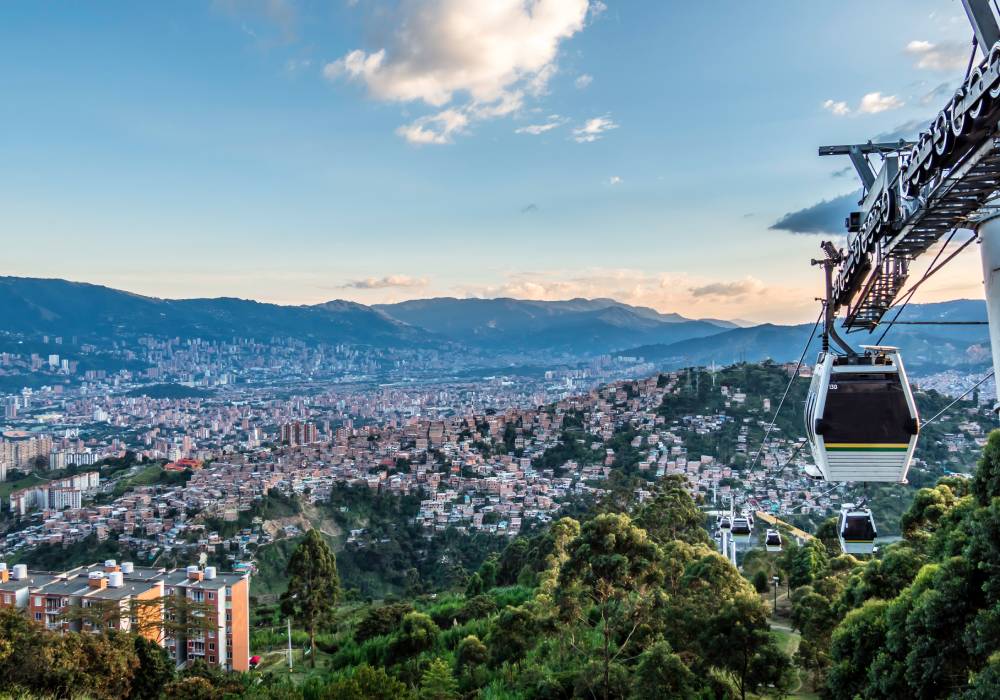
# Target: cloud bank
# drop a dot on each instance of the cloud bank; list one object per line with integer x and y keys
{"x": 479, "y": 60}
{"x": 827, "y": 217}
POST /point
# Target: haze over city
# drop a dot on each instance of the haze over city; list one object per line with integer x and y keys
{"x": 296, "y": 152}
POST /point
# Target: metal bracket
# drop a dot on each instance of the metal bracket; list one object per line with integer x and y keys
{"x": 858, "y": 153}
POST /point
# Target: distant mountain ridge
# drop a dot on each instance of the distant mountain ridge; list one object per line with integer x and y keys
{"x": 58, "y": 307}
{"x": 924, "y": 346}
{"x": 573, "y": 328}
{"x": 579, "y": 325}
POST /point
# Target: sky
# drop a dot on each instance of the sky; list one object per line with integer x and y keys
{"x": 659, "y": 152}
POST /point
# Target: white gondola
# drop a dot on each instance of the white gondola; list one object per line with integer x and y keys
{"x": 856, "y": 530}
{"x": 772, "y": 541}
{"x": 861, "y": 419}
{"x": 742, "y": 531}
{"x": 725, "y": 523}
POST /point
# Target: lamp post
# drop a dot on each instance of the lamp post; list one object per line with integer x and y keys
{"x": 775, "y": 580}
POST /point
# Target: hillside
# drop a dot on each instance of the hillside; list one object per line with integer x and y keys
{"x": 58, "y": 307}
{"x": 577, "y": 325}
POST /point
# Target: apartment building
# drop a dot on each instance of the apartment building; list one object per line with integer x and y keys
{"x": 224, "y": 600}
{"x": 194, "y": 613}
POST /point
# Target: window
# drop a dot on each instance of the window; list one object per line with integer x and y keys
{"x": 38, "y": 617}
{"x": 211, "y": 595}
{"x": 211, "y": 646}
{"x": 866, "y": 408}
{"x": 38, "y": 601}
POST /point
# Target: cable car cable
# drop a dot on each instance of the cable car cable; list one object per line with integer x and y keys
{"x": 910, "y": 292}
{"x": 791, "y": 379}
{"x": 930, "y": 271}
{"x": 966, "y": 393}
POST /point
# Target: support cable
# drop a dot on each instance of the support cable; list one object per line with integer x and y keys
{"x": 927, "y": 275}
{"x": 798, "y": 366}
{"x": 964, "y": 394}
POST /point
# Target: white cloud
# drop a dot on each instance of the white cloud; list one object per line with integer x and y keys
{"x": 386, "y": 282}
{"x": 875, "y": 102}
{"x": 840, "y": 109}
{"x": 583, "y": 81}
{"x": 872, "y": 103}
{"x": 730, "y": 290}
{"x": 945, "y": 56}
{"x": 683, "y": 293}
{"x": 554, "y": 121}
{"x": 435, "y": 128}
{"x": 481, "y": 58}
{"x": 593, "y": 129}
{"x": 614, "y": 180}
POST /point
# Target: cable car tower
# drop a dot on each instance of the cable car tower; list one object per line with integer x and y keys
{"x": 861, "y": 419}
{"x": 948, "y": 179}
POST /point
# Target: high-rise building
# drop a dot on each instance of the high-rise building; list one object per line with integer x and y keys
{"x": 298, "y": 433}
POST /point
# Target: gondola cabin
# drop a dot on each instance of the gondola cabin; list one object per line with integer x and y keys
{"x": 725, "y": 523}
{"x": 857, "y": 530}
{"x": 772, "y": 541}
{"x": 861, "y": 419}
{"x": 742, "y": 531}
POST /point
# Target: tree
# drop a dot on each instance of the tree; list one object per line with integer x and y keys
{"x": 856, "y": 642}
{"x": 986, "y": 484}
{"x": 313, "y": 586}
{"x": 380, "y": 620}
{"x": 367, "y": 683}
{"x": 661, "y": 675}
{"x": 512, "y": 636}
{"x": 672, "y": 515}
{"x": 738, "y": 639}
{"x": 488, "y": 572}
{"x": 474, "y": 587}
{"x": 156, "y": 669}
{"x": 417, "y": 633}
{"x": 470, "y": 652}
{"x": 438, "y": 683}
{"x": 761, "y": 582}
{"x": 612, "y": 566}
{"x": 828, "y": 533}
{"x": 807, "y": 563}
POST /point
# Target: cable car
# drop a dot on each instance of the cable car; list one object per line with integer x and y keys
{"x": 772, "y": 541}
{"x": 725, "y": 523}
{"x": 741, "y": 531}
{"x": 861, "y": 419}
{"x": 857, "y": 530}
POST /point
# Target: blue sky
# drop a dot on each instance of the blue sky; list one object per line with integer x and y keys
{"x": 296, "y": 151}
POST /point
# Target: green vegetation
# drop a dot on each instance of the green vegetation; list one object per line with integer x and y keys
{"x": 313, "y": 586}
{"x": 171, "y": 391}
{"x": 6, "y": 487}
{"x": 920, "y": 619}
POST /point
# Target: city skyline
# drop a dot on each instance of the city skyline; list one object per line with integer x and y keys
{"x": 294, "y": 152}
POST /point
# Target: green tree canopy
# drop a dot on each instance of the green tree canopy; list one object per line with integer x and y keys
{"x": 313, "y": 586}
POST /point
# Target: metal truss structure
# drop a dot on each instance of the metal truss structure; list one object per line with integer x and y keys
{"x": 924, "y": 189}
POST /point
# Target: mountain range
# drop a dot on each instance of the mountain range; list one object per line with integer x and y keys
{"x": 571, "y": 329}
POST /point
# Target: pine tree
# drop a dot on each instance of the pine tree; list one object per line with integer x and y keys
{"x": 438, "y": 682}
{"x": 313, "y": 586}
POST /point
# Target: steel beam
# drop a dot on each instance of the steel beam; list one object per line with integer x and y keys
{"x": 983, "y": 21}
